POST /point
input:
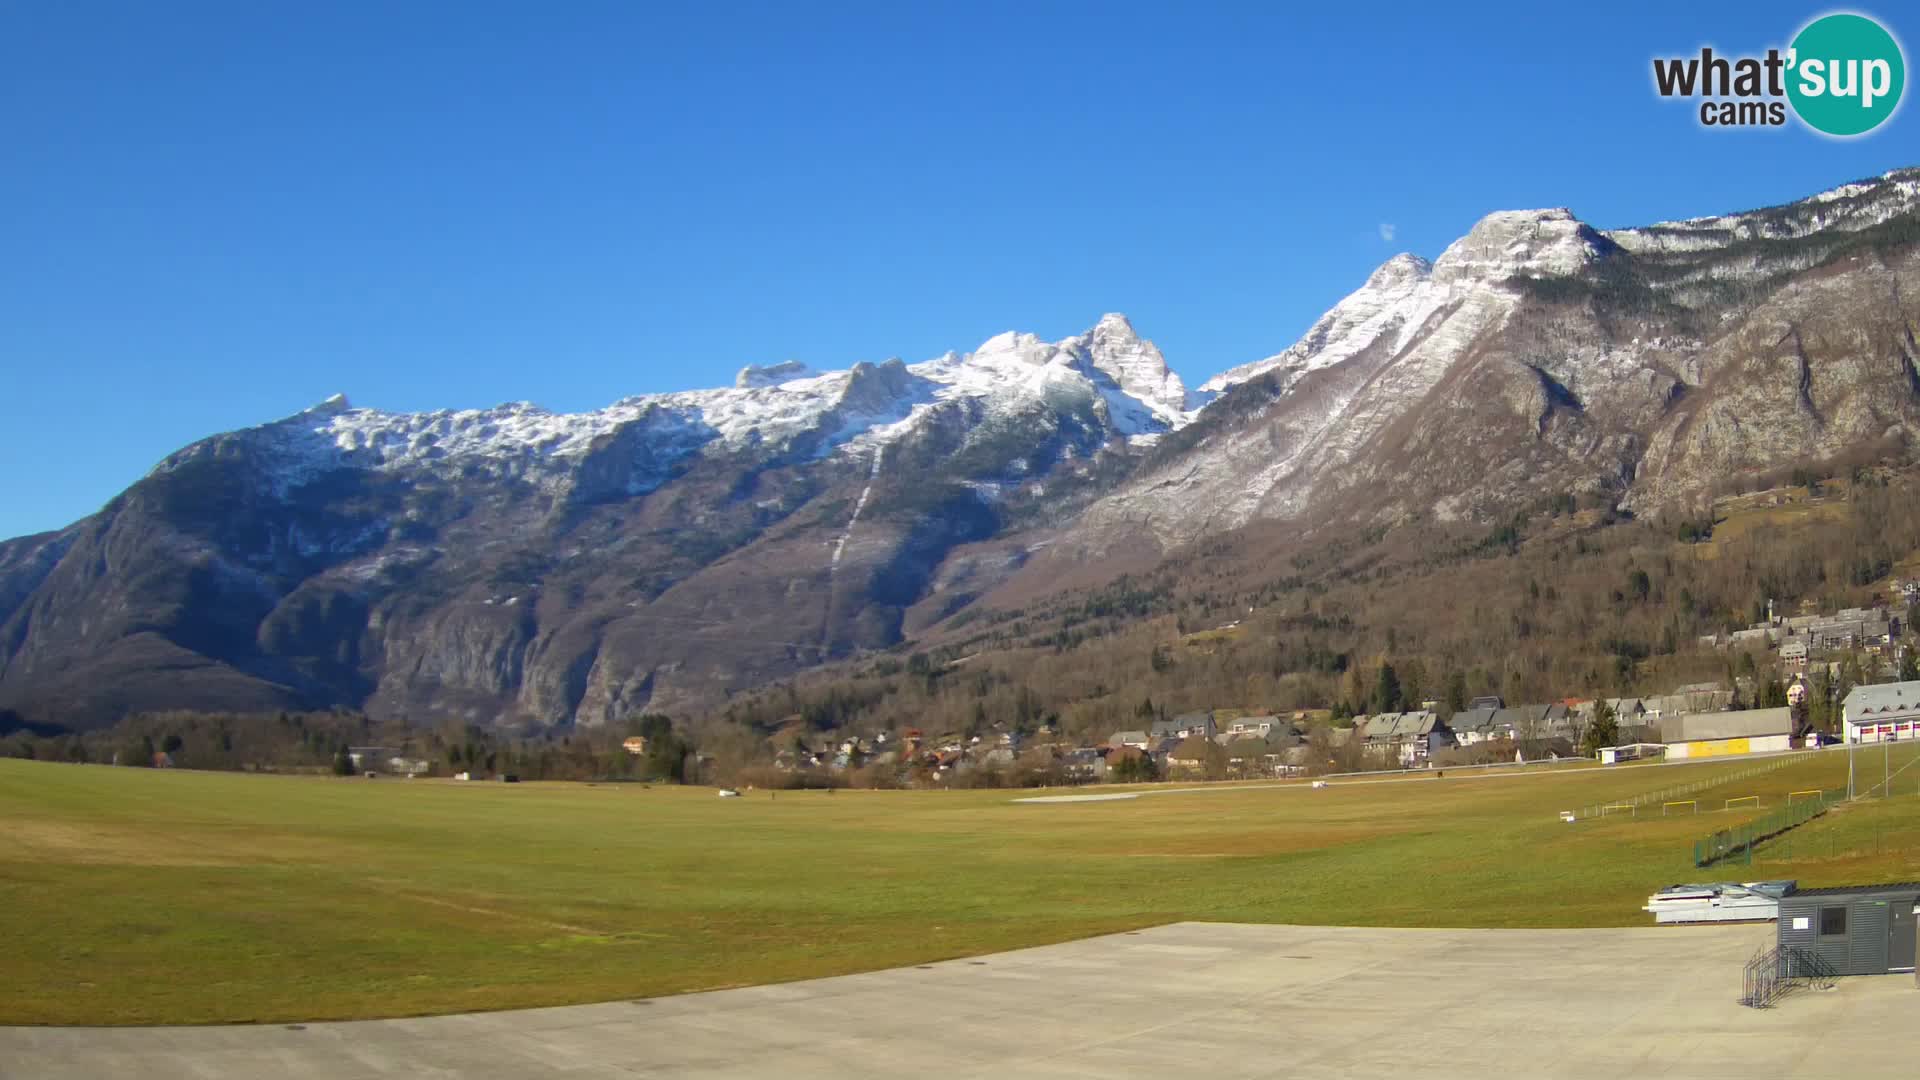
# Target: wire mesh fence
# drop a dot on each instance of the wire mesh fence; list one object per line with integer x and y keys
{"x": 1677, "y": 792}
{"x": 1738, "y": 842}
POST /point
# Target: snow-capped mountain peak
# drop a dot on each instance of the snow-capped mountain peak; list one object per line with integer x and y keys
{"x": 1124, "y": 377}
{"x": 1136, "y": 365}
{"x": 1142, "y": 387}
{"x": 1400, "y": 270}
{"x": 1398, "y": 295}
{"x": 1511, "y": 243}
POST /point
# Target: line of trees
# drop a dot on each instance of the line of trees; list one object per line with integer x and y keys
{"x": 318, "y": 742}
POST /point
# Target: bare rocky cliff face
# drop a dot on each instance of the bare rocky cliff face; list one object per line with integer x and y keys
{"x": 1538, "y": 356}
{"x": 512, "y": 565}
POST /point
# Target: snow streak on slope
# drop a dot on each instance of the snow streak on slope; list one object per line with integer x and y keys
{"x": 840, "y": 545}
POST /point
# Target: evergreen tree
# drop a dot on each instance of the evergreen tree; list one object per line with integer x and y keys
{"x": 1386, "y": 690}
{"x": 1773, "y": 695}
{"x": 343, "y": 763}
{"x": 667, "y": 752}
{"x": 1820, "y": 701}
{"x": 1603, "y": 730}
{"x": 137, "y": 752}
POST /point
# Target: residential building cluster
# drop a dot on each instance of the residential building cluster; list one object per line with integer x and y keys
{"x": 1798, "y": 639}
{"x": 1690, "y": 722}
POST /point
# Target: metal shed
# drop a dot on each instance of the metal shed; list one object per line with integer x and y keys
{"x": 1856, "y": 930}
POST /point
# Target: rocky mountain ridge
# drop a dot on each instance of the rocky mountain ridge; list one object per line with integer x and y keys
{"x": 517, "y": 565}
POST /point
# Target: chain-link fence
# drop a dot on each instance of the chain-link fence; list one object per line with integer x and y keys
{"x": 1681, "y": 791}
{"x": 1738, "y": 842}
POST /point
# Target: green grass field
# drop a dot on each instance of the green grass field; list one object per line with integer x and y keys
{"x": 139, "y": 896}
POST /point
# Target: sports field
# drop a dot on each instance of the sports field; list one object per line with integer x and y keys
{"x": 140, "y": 896}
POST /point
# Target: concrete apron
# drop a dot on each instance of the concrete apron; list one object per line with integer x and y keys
{"x": 1228, "y": 1000}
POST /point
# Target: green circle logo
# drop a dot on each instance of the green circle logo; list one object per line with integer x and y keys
{"x": 1846, "y": 75}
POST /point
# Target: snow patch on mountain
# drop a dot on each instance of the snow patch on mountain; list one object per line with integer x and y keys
{"x": 1397, "y": 296}
{"x": 1406, "y": 303}
{"x": 858, "y": 410}
{"x": 1847, "y": 208}
{"x": 1141, "y": 377}
{"x": 771, "y": 374}
{"x": 1515, "y": 243}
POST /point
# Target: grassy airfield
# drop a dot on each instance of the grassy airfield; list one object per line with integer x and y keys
{"x": 136, "y": 896}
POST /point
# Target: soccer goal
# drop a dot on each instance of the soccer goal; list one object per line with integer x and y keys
{"x": 1692, "y": 805}
{"x": 1611, "y": 808}
{"x": 1815, "y": 792}
{"x": 1743, "y": 800}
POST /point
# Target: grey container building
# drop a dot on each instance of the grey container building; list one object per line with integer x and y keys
{"x": 1857, "y": 930}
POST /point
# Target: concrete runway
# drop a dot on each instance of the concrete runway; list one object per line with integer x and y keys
{"x": 1205, "y": 999}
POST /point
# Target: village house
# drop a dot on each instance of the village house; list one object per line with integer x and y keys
{"x": 1137, "y": 739}
{"x": 1410, "y": 737}
{"x": 1692, "y": 698}
{"x": 1188, "y": 725}
{"x": 1536, "y": 723}
{"x": 1882, "y": 713}
{"x": 1161, "y": 750}
{"x": 1190, "y": 757}
{"x": 1085, "y": 764}
{"x": 1424, "y": 735}
{"x": 1258, "y": 725}
{"x": 1628, "y": 711}
{"x": 1472, "y": 726}
{"x": 1119, "y": 755}
{"x": 1245, "y": 752}
{"x": 1253, "y": 754}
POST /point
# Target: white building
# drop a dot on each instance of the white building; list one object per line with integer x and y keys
{"x": 1723, "y": 734}
{"x": 1882, "y": 713}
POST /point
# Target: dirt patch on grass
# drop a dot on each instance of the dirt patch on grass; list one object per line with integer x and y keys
{"x": 98, "y": 845}
{"x": 492, "y": 913}
{"x": 1259, "y": 843}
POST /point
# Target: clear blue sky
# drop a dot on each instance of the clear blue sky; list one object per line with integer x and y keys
{"x": 216, "y": 214}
